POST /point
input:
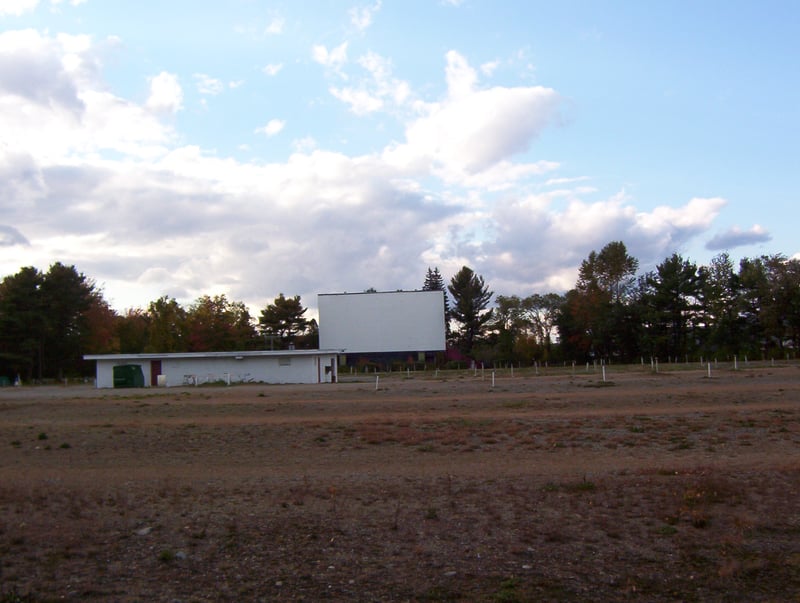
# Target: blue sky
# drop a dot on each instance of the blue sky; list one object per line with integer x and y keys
{"x": 252, "y": 148}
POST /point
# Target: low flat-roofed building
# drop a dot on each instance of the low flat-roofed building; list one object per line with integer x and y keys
{"x": 197, "y": 368}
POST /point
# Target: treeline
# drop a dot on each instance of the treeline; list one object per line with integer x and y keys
{"x": 49, "y": 320}
{"x": 676, "y": 312}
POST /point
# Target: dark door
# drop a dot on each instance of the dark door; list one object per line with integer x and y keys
{"x": 155, "y": 371}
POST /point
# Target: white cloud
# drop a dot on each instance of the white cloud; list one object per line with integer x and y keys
{"x": 360, "y": 101}
{"x": 273, "y": 127}
{"x": 17, "y": 7}
{"x": 461, "y": 78}
{"x": 333, "y": 58}
{"x": 55, "y": 106}
{"x": 526, "y": 230}
{"x": 275, "y": 26}
{"x": 376, "y": 90}
{"x": 560, "y": 181}
{"x": 272, "y": 69}
{"x": 473, "y": 130}
{"x": 489, "y": 67}
{"x": 208, "y": 85}
{"x": 166, "y": 94}
{"x": 305, "y": 144}
{"x": 37, "y": 69}
{"x": 71, "y": 2}
{"x": 92, "y": 179}
{"x": 361, "y": 16}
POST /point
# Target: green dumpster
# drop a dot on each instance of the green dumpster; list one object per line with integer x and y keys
{"x": 128, "y": 375}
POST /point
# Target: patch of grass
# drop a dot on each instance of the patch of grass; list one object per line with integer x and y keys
{"x": 508, "y": 591}
{"x": 582, "y": 486}
{"x": 437, "y": 593}
{"x": 667, "y": 530}
{"x": 65, "y": 446}
{"x": 600, "y": 384}
{"x": 42, "y": 436}
{"x": 16, "y": 443}
{"x": 166, "y": 556}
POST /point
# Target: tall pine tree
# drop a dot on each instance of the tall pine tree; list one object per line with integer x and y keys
{"x": 470, "y": 297}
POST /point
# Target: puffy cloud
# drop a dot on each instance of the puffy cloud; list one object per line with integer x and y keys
{"x": 376, "y": 90}
{"x": 334, "y": 58}
{"x": 55, "y": 105}
{"x": 472, "y": 131}
{"x": 526, "y": 230}
{"x": 17, "y": 7}
{"x": 489, "y": 67}
{"x": 273, "y": 127}
{"x": 104, "y": 185}
{"x": 35, "y": 68}
{"x": 361, "y": 16}
{"x": 360, "y": 101}
{"x": 208, "y": 85}
{"x": 736, "y": 237}
{"x": 461, "y": 78}
{"x": 275, "y": 26}
{"x": 166, "y": 94}
{"x": 272, "y": 69}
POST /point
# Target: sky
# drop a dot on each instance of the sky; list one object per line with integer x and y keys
{"x": 252, "y": 148}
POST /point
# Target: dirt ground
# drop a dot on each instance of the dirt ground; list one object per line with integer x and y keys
{"x": 668, "y": 486}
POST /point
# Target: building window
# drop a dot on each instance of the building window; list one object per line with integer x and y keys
{"x": 284, "y": 361}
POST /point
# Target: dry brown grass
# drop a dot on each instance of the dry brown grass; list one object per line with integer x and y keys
{"x": 654, "y": 488}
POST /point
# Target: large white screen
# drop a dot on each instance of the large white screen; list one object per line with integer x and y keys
{"x": 399, "y": 321}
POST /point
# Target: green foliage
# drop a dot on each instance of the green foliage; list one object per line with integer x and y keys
{"x": 46, "y": 321}
{"x": 471, "y": 297}
{"x": 217, "y": 324}
{"x": 49, "y": 320}
{"x": 283, "y": 319}
{"x": 671, "y": 300}
{"x": 167, "y": 327}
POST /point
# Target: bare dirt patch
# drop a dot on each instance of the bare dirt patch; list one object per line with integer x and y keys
{"x": 646, "y": 487}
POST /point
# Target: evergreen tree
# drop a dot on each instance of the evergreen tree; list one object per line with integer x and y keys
{"x": 22, "y": 325}
{"x": 671, "y": 307}
{"x": 67, "y": 296}
{"x": 284, "y": 319}
{"x": 471, "y": 296}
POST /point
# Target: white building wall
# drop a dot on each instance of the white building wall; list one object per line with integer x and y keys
{"x": 247, "y": 369}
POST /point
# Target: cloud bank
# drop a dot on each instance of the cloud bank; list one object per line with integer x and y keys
{"x": 106, "y": 183}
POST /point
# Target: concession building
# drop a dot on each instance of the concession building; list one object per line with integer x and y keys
{"x": 197, "y": 368}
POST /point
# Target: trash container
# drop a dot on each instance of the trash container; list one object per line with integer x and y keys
{"x": 128, "y": 375}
